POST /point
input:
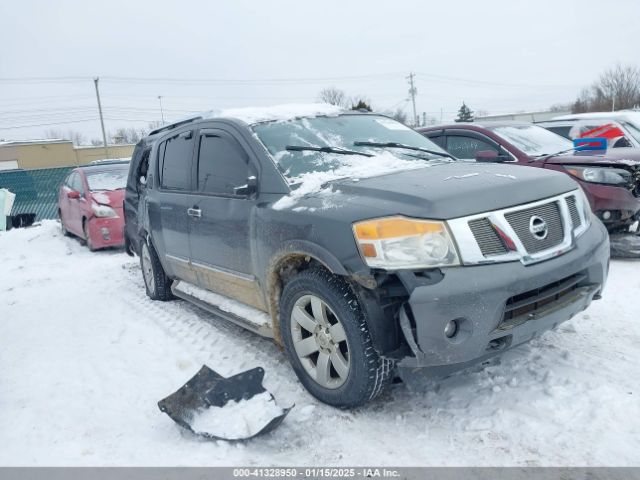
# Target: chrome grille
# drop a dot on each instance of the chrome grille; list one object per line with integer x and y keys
{"x": 550, "y": 213}
{"x": 573, "y": 211}
{"x": 487, "y": 238}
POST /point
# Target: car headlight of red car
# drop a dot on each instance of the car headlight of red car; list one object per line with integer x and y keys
{"x": 103, "y": 211}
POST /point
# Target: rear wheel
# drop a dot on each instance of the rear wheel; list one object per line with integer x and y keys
{"x": 156, "y": 282}
{"x": 327, "y": 340}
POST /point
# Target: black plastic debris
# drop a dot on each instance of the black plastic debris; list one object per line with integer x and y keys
{"x": 208, "y": 389}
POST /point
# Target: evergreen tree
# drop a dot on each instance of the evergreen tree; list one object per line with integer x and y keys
{"x": 464, "y": 114}
{"x": 360, "y": 104}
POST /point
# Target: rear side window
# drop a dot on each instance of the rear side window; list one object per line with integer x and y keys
{"x": 563, "y": 131}
{"x": 222, "y": 164}
{"x": 174, "y": 158}
{"x": 466, "y": 147}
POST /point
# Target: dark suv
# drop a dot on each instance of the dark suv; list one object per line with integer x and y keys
{"x": 357, "y": 243}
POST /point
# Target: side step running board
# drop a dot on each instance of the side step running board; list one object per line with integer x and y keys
{"x": 262, "y": 330}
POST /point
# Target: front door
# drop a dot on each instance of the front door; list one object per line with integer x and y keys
{"x": 219, "y": 229}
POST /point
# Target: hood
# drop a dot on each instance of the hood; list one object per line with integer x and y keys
{"x": 455, "y": 189}
{"x": 611, "y": 157}
{"x": 112, "y": 198}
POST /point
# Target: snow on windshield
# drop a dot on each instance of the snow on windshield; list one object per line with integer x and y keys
{"x": 112, "y": 179}
{"x": 346, "y": 166}
{"x": 308, "y": 170}
{"x": 533, "y": 140}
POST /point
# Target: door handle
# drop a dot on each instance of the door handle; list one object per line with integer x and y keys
{"x": 194, "y": 212}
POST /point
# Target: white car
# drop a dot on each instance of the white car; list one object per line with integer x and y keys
{"x": 622, "y": 128}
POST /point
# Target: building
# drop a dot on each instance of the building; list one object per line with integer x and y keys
{"x": 523, "y": 116}
{"x": 33, "y": 154}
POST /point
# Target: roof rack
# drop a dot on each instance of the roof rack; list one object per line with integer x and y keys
{"x": 171, "y": 126}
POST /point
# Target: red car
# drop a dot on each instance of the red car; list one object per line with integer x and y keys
{"x": 610, "y": 179}
{"x": 90, "y": 202}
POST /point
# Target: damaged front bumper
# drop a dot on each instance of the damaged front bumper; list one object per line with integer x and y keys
{"x": 498, "y": 306}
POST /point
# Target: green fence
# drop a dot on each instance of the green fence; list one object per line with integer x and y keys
{"x": 36, "y": 190}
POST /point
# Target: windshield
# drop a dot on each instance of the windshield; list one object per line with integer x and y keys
{"x": 633, "y": 130}
{"x": 108, "y": 179}
{"x": 533, "y": 140}
{"x": 342, "y": 132}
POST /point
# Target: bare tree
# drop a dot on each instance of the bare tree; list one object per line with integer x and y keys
{"x": 333, "y": 96}
{"x": 617, "y": 89}
{"x": 74, "y": 136}
{"x": 126, "y": 136}
{"x": 398, "y": 114}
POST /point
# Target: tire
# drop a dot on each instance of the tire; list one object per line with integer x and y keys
{"x": 336, "y": 363}
{"x": 156, "y": 282}
{"x": 63, "y": 229}
{"x": 87, "y": 238}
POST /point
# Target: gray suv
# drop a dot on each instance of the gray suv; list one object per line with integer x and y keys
{"x": 358, "y": 244}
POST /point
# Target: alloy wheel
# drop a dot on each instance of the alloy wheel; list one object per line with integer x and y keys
{"x": 320, "y": 342}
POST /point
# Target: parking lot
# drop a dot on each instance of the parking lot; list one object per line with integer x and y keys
{"x": 86, "y": 355}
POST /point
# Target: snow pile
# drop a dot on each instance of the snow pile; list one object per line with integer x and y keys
{"x": 280, "y": 112}
{"x": 348, "y": 166}
{"x": 237, "y": 420}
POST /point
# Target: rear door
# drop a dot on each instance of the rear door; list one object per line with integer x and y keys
{"x": 220, "y": 230}
{"x": 175, "y": 182}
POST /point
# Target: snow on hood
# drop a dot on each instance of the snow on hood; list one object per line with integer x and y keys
{"x": 279, "y": 112}
{"x": 351, "y": 166}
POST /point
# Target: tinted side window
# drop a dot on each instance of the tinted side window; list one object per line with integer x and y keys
{"x": 174, "y": 158}
{"x": 440, "y": 140}
{"x": 222, "y": 164}
{"x": 466, "y": 147}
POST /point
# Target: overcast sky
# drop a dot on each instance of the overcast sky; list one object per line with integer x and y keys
{"x": 496, "y": 56}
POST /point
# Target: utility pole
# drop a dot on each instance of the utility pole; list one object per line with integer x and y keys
{"x": 413, "y": 91}
{"x": 104, "y": 135}
{"x": 161, "y": 111}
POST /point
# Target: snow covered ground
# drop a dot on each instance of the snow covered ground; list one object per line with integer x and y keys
{"x": 85, "y": 356}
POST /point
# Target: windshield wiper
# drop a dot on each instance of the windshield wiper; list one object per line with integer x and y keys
{"x": 340, "y": 151}
{"x": 403, "y": 146}
{"x": 547, "y": 156}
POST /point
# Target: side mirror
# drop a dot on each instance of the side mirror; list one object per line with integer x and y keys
{"x": 247, "y": 189}
{"x": 73, "y": 195}
{"x": 488, "y": 156}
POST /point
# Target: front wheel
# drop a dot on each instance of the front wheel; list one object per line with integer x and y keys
{"x": 327, "y": 340}
{"x": 156, "y": 282}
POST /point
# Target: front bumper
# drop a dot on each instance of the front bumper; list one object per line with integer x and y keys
{"x": 476, "y": 297}
{"x": 622, "y": 206}
{"x": 106, "y": 232}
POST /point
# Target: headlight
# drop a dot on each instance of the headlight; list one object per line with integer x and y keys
{"x": 610, "y": 176}
{"x": 586, "y": 208}
{"x": 399, "y": 242}
{"x": 103, "y": 211}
